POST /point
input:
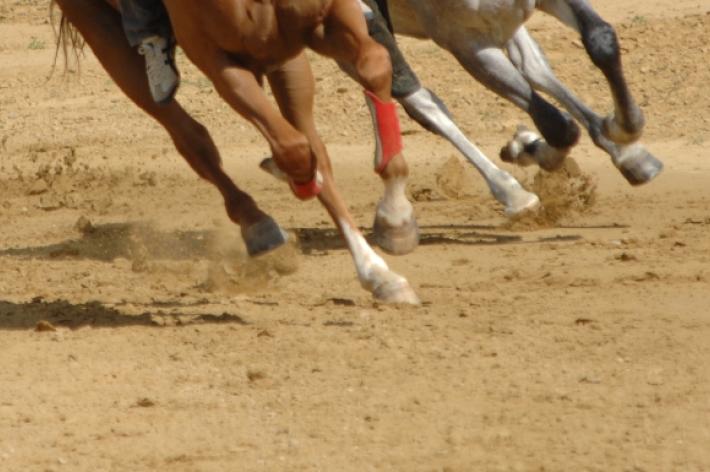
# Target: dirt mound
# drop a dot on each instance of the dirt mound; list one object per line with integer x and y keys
{"x": 565, "y": 193}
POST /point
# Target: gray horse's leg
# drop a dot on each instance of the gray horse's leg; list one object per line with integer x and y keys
{"x": 602, "y": 45}
{"x": 426, "y": 108}
{"x": 490, "y": 66}
{"x": 429, "y": 111}
{"x": 633, "y": 160}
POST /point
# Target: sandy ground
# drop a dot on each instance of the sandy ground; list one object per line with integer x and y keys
{"x": 581, "y": 345}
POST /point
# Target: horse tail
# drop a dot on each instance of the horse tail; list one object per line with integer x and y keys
{"x": 69, "y": 41}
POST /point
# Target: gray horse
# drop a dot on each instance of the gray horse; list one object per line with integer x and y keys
{"x": 489, "y": 39}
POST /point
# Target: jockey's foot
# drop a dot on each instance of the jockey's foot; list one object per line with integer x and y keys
{"x": 163, "y": 76}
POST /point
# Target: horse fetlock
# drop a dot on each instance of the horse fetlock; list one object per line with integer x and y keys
{"x": 624, "y": 131}
{"x": 515, "y": 151}
{"x": 557, "y": 128}
{"x": 294, "y": 157}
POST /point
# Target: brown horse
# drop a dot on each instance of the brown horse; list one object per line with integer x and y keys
{"x": 238, "y": 42}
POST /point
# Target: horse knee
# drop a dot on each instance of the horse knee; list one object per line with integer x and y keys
{"x": 294, "y": 157}
{"x": 374, "y": 67}
{"x": 601, "y": 43}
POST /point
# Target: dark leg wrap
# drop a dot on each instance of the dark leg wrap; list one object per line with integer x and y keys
{"x": 404, "y": 81}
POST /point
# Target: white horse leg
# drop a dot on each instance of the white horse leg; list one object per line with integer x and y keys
{"x": 633, "y": 161}
{"x": 430, "y": 112}
{"x": 490, "y": 66}
{"x": 372, "y": 271}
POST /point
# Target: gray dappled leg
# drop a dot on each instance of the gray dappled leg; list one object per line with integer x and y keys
{"x": 430, "y": 112}
{"x": 618, "y": 133}
{"x": 602, "y": 45}
{"x": 490, "y": 66}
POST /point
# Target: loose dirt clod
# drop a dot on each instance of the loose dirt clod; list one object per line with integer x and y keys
{"x": 44, "y": 326}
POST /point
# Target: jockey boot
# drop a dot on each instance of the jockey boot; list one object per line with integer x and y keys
{"x": 163, "y": 76}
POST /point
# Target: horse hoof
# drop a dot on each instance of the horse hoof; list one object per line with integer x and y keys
{"x": 521, "y": 203}
{"x": 637, "y": 165}
{"x": 396, "y": 240}
{"x": 509, "y": 192}
{"x": 396, "y": 290}
{"x": 269, "y": 166}
{"x": 263, "y": 237}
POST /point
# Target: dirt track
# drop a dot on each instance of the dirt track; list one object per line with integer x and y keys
{"x": 583, "y": 345}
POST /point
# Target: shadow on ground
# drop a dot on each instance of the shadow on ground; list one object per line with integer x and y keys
{"x": 111, "y": 241}
{"x": 138, "y": 241}
{"x": 40, "y": 314}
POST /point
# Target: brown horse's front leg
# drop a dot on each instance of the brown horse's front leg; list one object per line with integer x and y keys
{"x": 100, "y": 25}
{"x": 293, "y": 88}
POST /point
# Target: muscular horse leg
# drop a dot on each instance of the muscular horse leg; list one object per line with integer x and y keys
{"x": 100, "y": 25}
{"x": 423, "y": 106}
{"x": 345, "y": 38}
{"x": 602, "y": 45}
{"x": 490, "y": 66}
{"x": 293, "y": 88}
{"x": 529, "y": 58}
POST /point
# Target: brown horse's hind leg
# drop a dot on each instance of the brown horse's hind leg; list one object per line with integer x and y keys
{"x": 100, "y": 25}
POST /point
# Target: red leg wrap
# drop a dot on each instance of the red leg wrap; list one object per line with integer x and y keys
{"x": 309, "y": 189}
{"x": 388, "y": 139}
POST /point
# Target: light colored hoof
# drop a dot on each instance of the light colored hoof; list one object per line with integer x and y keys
{"x": 263, "y": 237}
{"x": 396, "y": 240}
{"x": 396, "y": 289}
{"x": 512, "y": 195}
{"x": 521, "y": 203}
{"x": 269, "y": 166}
{"x": 637, "y": 165}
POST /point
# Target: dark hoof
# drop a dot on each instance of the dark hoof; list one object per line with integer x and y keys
{"x": 264, "y": 236}
{"x": 638, "y": 166}
{"x": 396, "y": 240}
